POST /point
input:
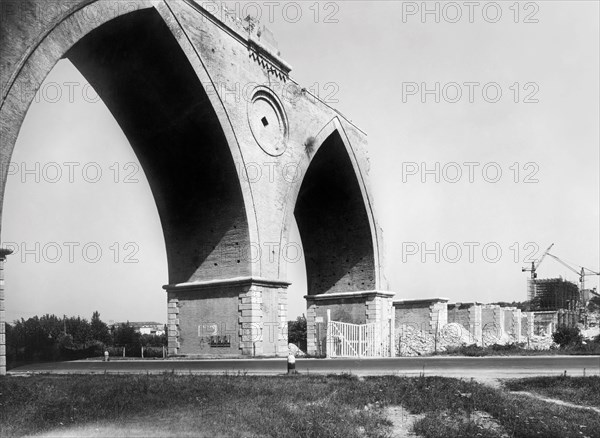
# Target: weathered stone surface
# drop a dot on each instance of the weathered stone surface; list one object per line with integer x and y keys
{"x": 234, "y": 150}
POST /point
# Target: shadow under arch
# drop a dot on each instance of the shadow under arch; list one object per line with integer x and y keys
{"x": 334, "y": 223}
{"x": 142, "y": 74}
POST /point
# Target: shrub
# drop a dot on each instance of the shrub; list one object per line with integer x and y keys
{"x": 297, "y": 332}
{"x": 507, "y": 347}
{"x": 471, "y": 350}
{"x": 567, "y": 336}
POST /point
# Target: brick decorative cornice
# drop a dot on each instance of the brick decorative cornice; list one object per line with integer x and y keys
{"x": 350, "y": 295}
{"x": 228, "y": 282}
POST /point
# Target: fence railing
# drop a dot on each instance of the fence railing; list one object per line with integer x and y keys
{"x": 359, "y": 340}
{"x": 136, "y": 351}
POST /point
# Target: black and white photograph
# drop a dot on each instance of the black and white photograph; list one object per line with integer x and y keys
{"x": 300, "y": 218}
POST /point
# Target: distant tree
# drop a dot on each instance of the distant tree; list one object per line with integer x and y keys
{"x": 52, "y": 326}
{"x": 567, "y": 336}
{"x": 11, "y": 349}
{"x": 50, "y": 337}
{"x": 594, "y": 304}
{"x": 99, "y": 329}
{"x": 297, "y": 332}
{"x": 524, "y": 306}
{"x": 35, "y": 338}
{"x": 153, "y": 340}
{"x": 65, "y": 340}
{"x": 126, "y": 336}
{"x": 80, "y": 329}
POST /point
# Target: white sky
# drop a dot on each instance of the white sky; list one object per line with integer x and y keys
{"x": 368, "y": 54}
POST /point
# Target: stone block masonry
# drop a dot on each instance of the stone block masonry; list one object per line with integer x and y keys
{"x": 227, "y": 318}
{"x": 469, "y": 316}
{"x": 3, "y": 254}
{"x": 527, "y": 325}
{"x": 173, "y": 344}
{"x": 360, "y": 307}
{"x": 427, "y": 315}
{"x": 512, "y": 323}
{"x": 492, "y": 319}
{"x": 269, "y": 153}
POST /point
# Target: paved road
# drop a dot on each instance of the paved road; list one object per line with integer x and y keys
{"x": 481, "y": 368}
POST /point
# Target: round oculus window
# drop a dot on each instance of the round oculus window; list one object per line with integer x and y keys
{"x": 268, "y": 121}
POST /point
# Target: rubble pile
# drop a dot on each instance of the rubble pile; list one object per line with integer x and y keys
{"x": 503, "y": 339}
{"x": 590, "y": 333}
{"x": 454, "y": 334}
{"x": 414, "y": 342}
{"x": 537, "y": 342}
{"x": 411, "y": 341}
{"x": 295, "y": 350}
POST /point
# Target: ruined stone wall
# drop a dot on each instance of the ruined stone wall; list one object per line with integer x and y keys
{"x": 492, "y": 321}
{"x": 527, "y": 325}
{"x": 567, "y": 318}
{"x": 416, "y": 315}
{"x": 458, "y": 315}
{"x": 512, "y": 323}
{"x": 469, "y": 316}
{"x": 439, "y": 315}
{"x": 545, "y": 322}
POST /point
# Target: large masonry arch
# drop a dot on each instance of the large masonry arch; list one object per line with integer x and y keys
{"x": 232, "y": 148}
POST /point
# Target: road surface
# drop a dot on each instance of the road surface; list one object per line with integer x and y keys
{"x": 480, "y": 368}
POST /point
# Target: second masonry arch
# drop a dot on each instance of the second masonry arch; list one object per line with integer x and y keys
{"x": 160, "y": 70}
{"x": 333, "y": 224}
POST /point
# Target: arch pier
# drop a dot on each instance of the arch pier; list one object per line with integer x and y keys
{"x": 234, "y": 149}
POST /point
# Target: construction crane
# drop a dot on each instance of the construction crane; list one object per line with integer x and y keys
{"x": 534, "y": 265}
{"x": 583, "y": 272}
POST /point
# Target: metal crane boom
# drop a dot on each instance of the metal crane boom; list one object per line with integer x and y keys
{"x": 536, "y": 263}
{"x": 564, "y": 264}
{"x": 582, "y": 272}
{"x": 543, "y": 255}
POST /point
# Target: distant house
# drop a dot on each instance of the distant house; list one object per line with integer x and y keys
{"x": 145, "y": 327}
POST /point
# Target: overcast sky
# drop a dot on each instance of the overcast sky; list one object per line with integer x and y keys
{"x": 370, "y": 60}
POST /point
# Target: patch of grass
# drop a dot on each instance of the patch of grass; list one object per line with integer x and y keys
{"x": 579, "y": 390}
{"x": 453, "y": 407}
{"x": 276, "y": 406}
{"x": 217, "y": 405}
{"x": 517, "y": 416}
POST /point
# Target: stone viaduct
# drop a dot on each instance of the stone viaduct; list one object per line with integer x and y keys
{"x": 234, "y": 150}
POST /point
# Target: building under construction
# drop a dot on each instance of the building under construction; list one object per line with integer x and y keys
{"x": 553, "y": 294}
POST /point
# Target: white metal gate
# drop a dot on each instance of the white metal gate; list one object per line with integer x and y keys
{"x": 358, "y": 340}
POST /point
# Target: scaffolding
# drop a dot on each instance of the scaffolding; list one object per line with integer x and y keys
{"x": 554, "y": 294}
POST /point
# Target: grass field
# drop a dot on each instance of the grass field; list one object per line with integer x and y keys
{"x": 283, "y": 406}
{"x": 571, "y": 389}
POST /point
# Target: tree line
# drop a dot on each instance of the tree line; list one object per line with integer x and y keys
{"x": 49, "y": 337}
